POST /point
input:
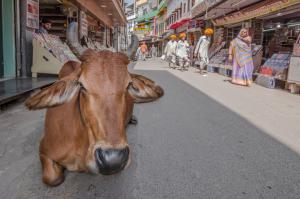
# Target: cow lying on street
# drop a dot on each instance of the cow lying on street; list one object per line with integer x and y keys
{"x": 88, "y": 109}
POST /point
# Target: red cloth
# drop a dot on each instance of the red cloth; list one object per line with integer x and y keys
{"x": 266, "y": 71}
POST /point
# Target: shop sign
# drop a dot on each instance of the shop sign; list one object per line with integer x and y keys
{"x": 140, "y": 2}
{"x": 196, "y": 24}
{"x": 182, "y": 28}
{"x": 257, "y": 10}
{"x": 83, "y": 24}
{"x": 32, "y": 11}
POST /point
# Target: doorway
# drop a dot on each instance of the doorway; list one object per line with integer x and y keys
{"x": 1, "y": 44}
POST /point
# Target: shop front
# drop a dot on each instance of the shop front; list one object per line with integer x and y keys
{"x": 274, "y": 27}
{"x": 96, "y": 29}
{"x": 7, "y": 40}
{"x": 1, "y": 44}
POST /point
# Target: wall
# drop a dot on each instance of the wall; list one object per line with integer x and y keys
{"x": 8, "y": 38}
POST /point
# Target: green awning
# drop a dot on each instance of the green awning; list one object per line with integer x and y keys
{"x": 147, "y": 16}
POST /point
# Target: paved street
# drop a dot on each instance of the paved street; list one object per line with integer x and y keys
{"x": 206, "y": 138}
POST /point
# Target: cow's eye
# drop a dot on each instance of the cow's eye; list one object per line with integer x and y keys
{"x": 130, "y": 84}
{"x": 82, "y": 88}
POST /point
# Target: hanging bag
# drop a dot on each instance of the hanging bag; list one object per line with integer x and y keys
{"x": 296, "y": 51}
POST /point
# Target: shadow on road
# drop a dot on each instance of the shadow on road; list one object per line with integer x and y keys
{"x": 186, "y": 145}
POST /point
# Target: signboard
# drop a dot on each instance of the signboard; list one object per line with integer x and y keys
{"x": 141, "y": 2}
{"x": 257, "y": 10}
{"x": 83, "y": 24}
{"x": 32, "y": 10}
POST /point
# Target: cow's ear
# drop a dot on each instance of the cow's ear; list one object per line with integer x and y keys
{"x": 58, "y": 93}
{"x": 143, "y": 90}
{"x": 68, "y": 68}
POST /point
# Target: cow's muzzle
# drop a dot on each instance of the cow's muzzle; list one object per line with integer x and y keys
{"x": 110, "y": 161}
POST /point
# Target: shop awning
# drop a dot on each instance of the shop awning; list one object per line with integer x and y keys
{"x": 147, "y": 17}
{"x": 167, "y": 34}
{"x": 180, "y": 23}
{"x": 257, "y": 10}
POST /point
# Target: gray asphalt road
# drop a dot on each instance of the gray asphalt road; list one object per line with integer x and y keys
{"x": 186, "y": 145}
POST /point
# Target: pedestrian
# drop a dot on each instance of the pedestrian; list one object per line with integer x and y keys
{"x": 191, "y": 54}
{"x": 170, "y": 51}
{"x": 138, "y": 53}
{"x": 153, "y": 51}
{"x": 182, "y": 52}
{"x": 201, "y": 50}
{"x": 240, "y": 54}
{"x": 144, "y": 51}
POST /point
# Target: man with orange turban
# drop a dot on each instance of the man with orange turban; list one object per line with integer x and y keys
{"x": 182, "y": 52}
{"x": 201, "y": 50}
{"x": 170, "y": 51}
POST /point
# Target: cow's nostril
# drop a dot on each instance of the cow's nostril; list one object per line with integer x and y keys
{"x": 111, "y": 161}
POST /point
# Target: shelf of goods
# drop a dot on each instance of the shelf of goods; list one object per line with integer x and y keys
{"x": 49, "y": 54}
{"x": 273, "y": 72}
{"x": 60, "y": 15}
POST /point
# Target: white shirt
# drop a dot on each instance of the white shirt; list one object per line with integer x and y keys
{"x": 182, "y": 49}
{"x": 171, "y": 48}
{"x": 202, "y": 47}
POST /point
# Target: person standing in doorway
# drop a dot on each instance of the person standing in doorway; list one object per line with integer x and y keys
{"x": 45, "y": 26}
{"x": 240, "y": 54}
{"x": 144, "y": 51}
{"x": 170, "y": 51}
{"x": 201, "y": 50}
{"x": 182, "y": 52}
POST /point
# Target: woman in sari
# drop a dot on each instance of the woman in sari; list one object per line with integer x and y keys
{"x": 240, "y": 54}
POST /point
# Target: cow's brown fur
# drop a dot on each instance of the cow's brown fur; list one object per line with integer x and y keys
{"x": 88, "y": 107}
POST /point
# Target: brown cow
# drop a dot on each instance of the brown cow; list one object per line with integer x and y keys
{"x": 88, "y": 110}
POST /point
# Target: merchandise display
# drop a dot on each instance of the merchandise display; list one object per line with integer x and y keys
{"x": 220, "y": 58}
{"x": 276, "y": 66}
{"x": 55, "y": 46}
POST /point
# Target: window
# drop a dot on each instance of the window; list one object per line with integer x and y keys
{"x": 184, "y": 6}
{"x": 189, "y": 5}
{"x": 180, "y": 10}
{"x": 193, "y": 3}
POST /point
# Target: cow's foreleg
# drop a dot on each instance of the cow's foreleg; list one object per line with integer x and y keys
{"x": 52, "y": 172}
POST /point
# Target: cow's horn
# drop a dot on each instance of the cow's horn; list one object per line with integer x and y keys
{"x": 72, "y": 39}
{"x": 133, "y": 46}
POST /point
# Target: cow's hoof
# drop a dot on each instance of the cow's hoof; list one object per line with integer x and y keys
{"x": 133, "y": 120}
{"x": 54, "y": 182}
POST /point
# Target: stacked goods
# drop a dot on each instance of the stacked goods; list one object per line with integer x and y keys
{"x": 215, "y": 48}
{"x": 220, "y": 57}
{"x": 265, "y": 81}
{"x": 276, "y": 66}
{"x": 55, "y": 46}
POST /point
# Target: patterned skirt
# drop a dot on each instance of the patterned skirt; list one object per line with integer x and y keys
{"x": 242, "y": 75}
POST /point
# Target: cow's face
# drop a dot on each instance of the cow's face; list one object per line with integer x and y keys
{"x": 101, "y": 85}
{"x": 106, "y": 107}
